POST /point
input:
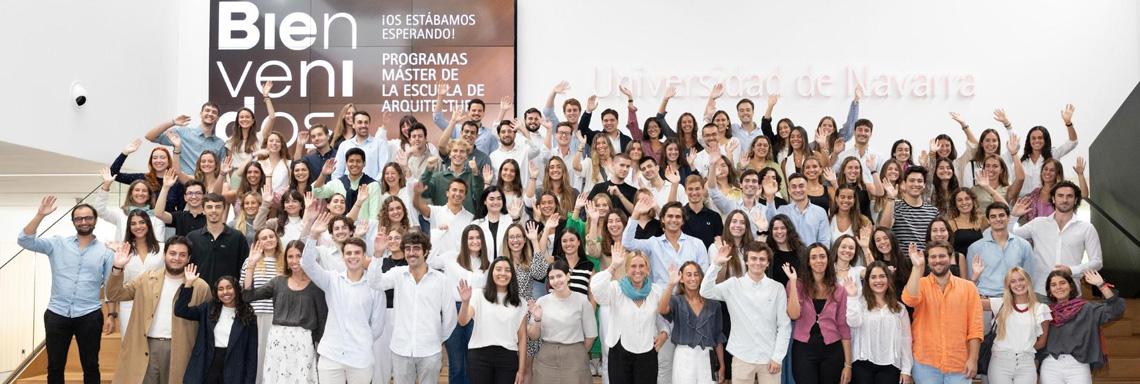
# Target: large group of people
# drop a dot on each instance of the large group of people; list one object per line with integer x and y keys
{"x": 708, "y": 249}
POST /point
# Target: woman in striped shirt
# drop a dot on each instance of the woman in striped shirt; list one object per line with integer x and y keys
{"x": 265, "y": 258}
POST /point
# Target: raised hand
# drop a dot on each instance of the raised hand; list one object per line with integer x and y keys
{"x": 302, "y": 138}
{"x": 865, "y": 236}
{"x": 561, "y": 87}
{"x": 1094, "y": 278}
{"x": 916, "y": 257}
{"x": 717, "y": 91}
{"x": 464, "y": 291}
{"x": 592, "y": 103}
{"x": 515, "y": 208}
{"x": 674, "y": 275}
{"x": 956, "y": 117}
{"x": 549, "y": 125}
{"x": 858, "y": 91}
{"x": 1013, "y": 145}
{"x": 829, "y": 175}
{"x": 532, "y": 168}
{"x": 592, "y": 211}
{"x": 672, "y": 174}
{"x": 983, "y": 179}
{"x": 266, "y": 87}
{"x": 617, "y": 256}
{"x": 505, "y": 103}
{"x": 581, "y": 202}
{"x": 643, "y": 206}
{"x": 327, "y": 169}
{"x": 769, "y": 187}
{"x": 773, "y": 99}
{"x": 266, "y": 194}
{"x": 691, "y": 157}
{"x": 419, "y": 187}
{"x": 256, "y": 252}
{"x": 380, "y": 242}
{"x": 625, "y": 91}
{"x": 181, "y": 120}
{"x": 122, "y": 255}
{"x": 889, "y": 189}
{"x": 732, "y": 146}
{"x": 999, "y": 115}
{"x": 977, "y": 266}
{"x": 320, "y": 225}
{"x": 532, "y": 231}
{"x": 433, "y": 162}
{"x": 190, "y": 275}
{"x": 1021, "y": 208}
{"x": 458, "y": 115}
{"x": 169, "y": 178}
{"x": 1067, "y": 114}
{"x": 790, "y": 271}
{"x": 488, "y": 174}
{"x": 228, "y": 165}
{"x": 852, "y": 286}
{"x": 309, "y": 200}
{"x": 1079, "y": 166}
{"x": 175, "y": 140}
{"x": 552, "y": 222}
{"x": 133, "y": 146}
{"x": 723, "y": 254}
{"x": 362, "y": 192}
{"x": 670, "y": 92}
{"x": 105, "y": 174}
{"x": 535, "y": 310}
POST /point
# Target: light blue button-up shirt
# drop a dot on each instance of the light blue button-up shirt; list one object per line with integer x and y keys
{"x": 77, "y": 274}
{"x": 811, "y": 224}
{"x": 662, "y": 255}
{"x": 194, "y": 142}
{"x": 488, "y": 140}
{"x": 998, "y": 261}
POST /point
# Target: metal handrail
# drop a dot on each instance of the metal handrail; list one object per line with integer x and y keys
{"x": 52, "y": 225}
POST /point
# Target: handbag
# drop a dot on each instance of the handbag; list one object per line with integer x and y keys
{"x": 987, "y": 346}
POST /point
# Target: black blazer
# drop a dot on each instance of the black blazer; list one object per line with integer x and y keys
{"x": 584, "y": 127}
{"x": 241, "y": 355}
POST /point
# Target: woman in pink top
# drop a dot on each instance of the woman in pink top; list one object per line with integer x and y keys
{"x": 821, "y": 339}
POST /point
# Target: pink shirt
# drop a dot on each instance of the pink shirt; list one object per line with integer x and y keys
{"x": 832, "y": 321}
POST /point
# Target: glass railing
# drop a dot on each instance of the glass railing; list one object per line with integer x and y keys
{"x": 25, "y": 276}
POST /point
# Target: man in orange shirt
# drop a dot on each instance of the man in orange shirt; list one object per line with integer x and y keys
{"x": 947, "y": 326}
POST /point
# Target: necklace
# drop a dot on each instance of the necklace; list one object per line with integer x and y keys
{"x": 1019, "y": 310}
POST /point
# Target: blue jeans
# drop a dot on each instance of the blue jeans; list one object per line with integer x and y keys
{"x": 457, "y": 352}
{"x": 926, "y": 374}
{"x": 786, "y": 376}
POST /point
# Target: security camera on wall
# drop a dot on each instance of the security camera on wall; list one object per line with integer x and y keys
{"x": 78, "y": 95}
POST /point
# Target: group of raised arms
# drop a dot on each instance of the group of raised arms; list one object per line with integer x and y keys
{"x": 545, "y": 250}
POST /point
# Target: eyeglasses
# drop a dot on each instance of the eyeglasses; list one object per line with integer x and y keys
{"x": 80, "y": 219}
{"x": 194, "y": 193}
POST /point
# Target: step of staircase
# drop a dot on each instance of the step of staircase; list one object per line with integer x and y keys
{"x": 73, "y": 373}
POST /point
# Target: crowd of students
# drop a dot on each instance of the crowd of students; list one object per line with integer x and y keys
{"x": 545, "y": 250}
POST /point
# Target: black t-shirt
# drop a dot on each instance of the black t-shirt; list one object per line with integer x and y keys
{"x": 185, "y": 222}
{"x": 705, "y": 225}
{"x": 387, "y": 264}
{"x": 652, "y": 229}
{"x": 626, "y": 190}
{"x": 217, "y": 257}
{"x": 776, "y": 272}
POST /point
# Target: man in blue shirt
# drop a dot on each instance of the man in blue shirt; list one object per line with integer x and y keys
{"x": 195, "y": 140}
{"x": 79, "y": 266}
{"x": 810, "y": 220}
{"x": 997, "y": 252}
{"x": 487, "y": 141}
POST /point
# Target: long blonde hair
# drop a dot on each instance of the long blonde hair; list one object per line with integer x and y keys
{"x": 278, "y": 253}
{"x": 1007, "y": 298}
{"x": 596, "y": 161}
{"x": 240, "y": 220}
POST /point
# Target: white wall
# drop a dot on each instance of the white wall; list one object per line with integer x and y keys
{"x": 125, "y": 53}
{"x": 1029, "y": 58}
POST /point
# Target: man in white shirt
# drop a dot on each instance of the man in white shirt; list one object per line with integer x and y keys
{"x": 425, "y": 312}
{"x": 355, "y": 311}
{"x": 760, "y": 335}
{"x": 749, "y": 200}
{"x": 1060, "y": 240}
{"x": 157, "y": 345}
{"x": 376, "y": 151}
{"x": 869, "y": 160}
{"x": 663, "y": 190}
{"x": 446, "y": 221}
{"x": 519, "y": 151}
{"x": 713, "y": 151}
{"x": 565, "y": 149}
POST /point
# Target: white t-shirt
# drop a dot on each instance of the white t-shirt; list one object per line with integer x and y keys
{"x": 496, "y": 324}
{"x": 222, "y": 329}
{"x": 1021, "y": 328}
{"x": 445, "y": 239}
{"x": 164, "y": 312}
